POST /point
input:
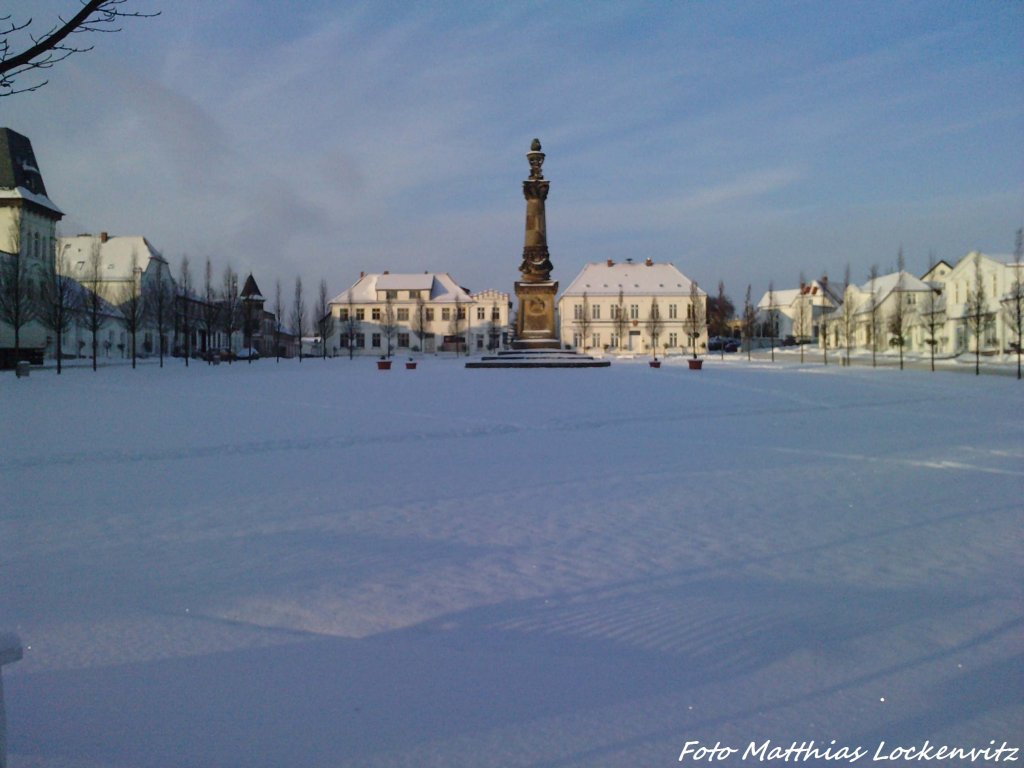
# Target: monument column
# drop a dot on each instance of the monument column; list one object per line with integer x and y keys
{"x": 535, "y": 322}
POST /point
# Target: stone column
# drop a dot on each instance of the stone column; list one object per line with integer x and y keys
{"x": 535, "y": 323}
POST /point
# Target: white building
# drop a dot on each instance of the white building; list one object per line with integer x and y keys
{"x": 28, "y": 233}
{"x": 996, "y": 276}
{"x": 872, "y": 310}
{"x": 643, "y": 308}
{"x": 388, "y": 313}
{"x": 116, "y": 268}
{"x": 797, "y": 312}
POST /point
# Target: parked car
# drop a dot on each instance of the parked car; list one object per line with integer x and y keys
{"x": 243, "y": 354}
{"x": 716, "y": 343}
{"x": 789, "y": 341}
{"x": 732, "y": 346}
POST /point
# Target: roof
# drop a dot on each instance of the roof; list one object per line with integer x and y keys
{"x": 20, "y": 176}
{"x": 250, "y": 290}
{"x": 115, "y": 254}
{"x": 820, "y": 294}
{"x": 887, "y": 284}
{"x": 636, "y": 278}
{"x": 441, "y": 286}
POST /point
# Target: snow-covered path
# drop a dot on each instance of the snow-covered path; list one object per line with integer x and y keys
{"x": 326, "y": 565}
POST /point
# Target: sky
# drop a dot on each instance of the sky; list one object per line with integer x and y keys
{"x": 744, "y": 142}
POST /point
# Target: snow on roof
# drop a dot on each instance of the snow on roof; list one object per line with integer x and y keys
{"x": 646, "y": 278}
{"x": 440, "y": 284}
{"x": 116, "y": 254}
{"x": 32, "y": 197}
{"x": 821, "y": 295}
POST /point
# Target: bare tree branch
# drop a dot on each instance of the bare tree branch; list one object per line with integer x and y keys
{"x": 51, "y": 47}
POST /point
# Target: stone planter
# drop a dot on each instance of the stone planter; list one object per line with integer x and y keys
{"x": 383, "y": 365}
{"x": 410, "y": 366}
{"x": 655, "y": 363}
{"x": 695, "y": 363}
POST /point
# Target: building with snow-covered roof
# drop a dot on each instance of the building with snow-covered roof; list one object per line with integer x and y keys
{"x": 996, "y": 276}
{"x": 797, "y": 312}
{"x": 638, "y": 307}
{"x": 384, "y": 313}
{"x": 118, "y": 268}
{"x": 878, "y": 307}
{"x": 28, "y": 236}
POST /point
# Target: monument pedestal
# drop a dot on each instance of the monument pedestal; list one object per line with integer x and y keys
{"x": 535, "y": 323}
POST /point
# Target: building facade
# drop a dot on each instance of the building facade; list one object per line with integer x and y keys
{"x": 386, "y": 314}
{"x": 28, "y": 238}
{"x": 633, "y": 307}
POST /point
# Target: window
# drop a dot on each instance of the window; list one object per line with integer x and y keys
{"x": 414, "y": 294}
{"x": 577, "y": 340}
{"x": 391, "y": 295}
{"x": 577, "y": 311}
{"x": 672, "y": 313}
{"x": 634, "y": 311}
{"x": 360, "y": 314}
{"x": 375, "y": 340}
{"x": 375, "y": 313}
{"x": 446, "y": 313}
{"x": 616, "y": 312}
{"x": 595, "y": 313}
{"x": 481, "y": 313}
{"x": 403, "y": 314}
{"x": 403, "y": 340}
{"x": 360, "y": 340}
{"x": 673, "y": 339}
{"x": 615, "y": 340}
{"x": 343, "y": 313}
{"x": 595, "y": 341}
{"x": 495, "y": 314}
{"x": 462, "y": 313}
{"x": 428, "y": 314}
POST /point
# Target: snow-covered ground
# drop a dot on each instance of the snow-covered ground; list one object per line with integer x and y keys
{"x": 320, "y": 564}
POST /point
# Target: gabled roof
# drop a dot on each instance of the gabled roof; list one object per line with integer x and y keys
{"x": 820, "y": 294}
{"x": 441, "y": 286}
{"x": 884, "y": 285}
{"x": 116, "y": 254}
{"x": 250, "y": 290}
{"x": 632, "y": 278}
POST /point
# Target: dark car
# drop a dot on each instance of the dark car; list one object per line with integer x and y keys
{"x": 732, "y": 346}
{"x": 789, "y": 341}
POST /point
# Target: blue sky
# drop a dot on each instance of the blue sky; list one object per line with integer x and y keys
{"x": 743, "y": 141}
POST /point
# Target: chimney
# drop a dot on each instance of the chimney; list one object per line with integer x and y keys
{"x": 361, "y": 274}
{"x": 386, "y": 272}
{"x": 611, "y": 263}
{"x": 104, "y": 237}
{"x": 649, "y": 262}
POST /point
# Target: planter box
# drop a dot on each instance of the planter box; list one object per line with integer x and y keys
{"x": 655, "y": 363}
{"x": 383, "y": 365}
{"x": 410, "y": 366}
{"x": 695, "y": 365}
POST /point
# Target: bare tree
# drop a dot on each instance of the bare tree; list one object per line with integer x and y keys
{"x": 874, "y": 316}
{"x": 95, "y": 306}
{"x": 278, "y": 315}
{"x": 695, "y": 317}
{"x": 43, "y": 51}
{"x": 17, "y": 307}
{"x": 720, "y": 311}
{"x": 620, "y": 321}
{"x": 159, "y": 301}
{"x": 184, "y": 297}
{"x": 60, "y": 300}
{"x": 976, "y": 311}
{"x": 848, "y": 318}
{"x": 1013, "y": 302}
{"x": 582, "y": 321}
{"x": 299, "y": 314}
{"x": 749, "y": 321}
{"x": 132, "y": 305}
{"x": 931, "y": 315}
{"x": 389, "y": 323}
{"x": 420, "y": 324}
{"x": 655, "y": 322}
{"x": 801, "y": 330}
{"x": 898, "y": 319}
{"x": 773, "y": 318}
{"x": 325, "y": 320}
{"x": 350, "y": 323}
{"x": 494, "y": 328}
{"x": 211, "y": 308}
{"x": 455, "y": 325}
{"x": 231, "y": 316}
{"x": 824, "y": 318}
